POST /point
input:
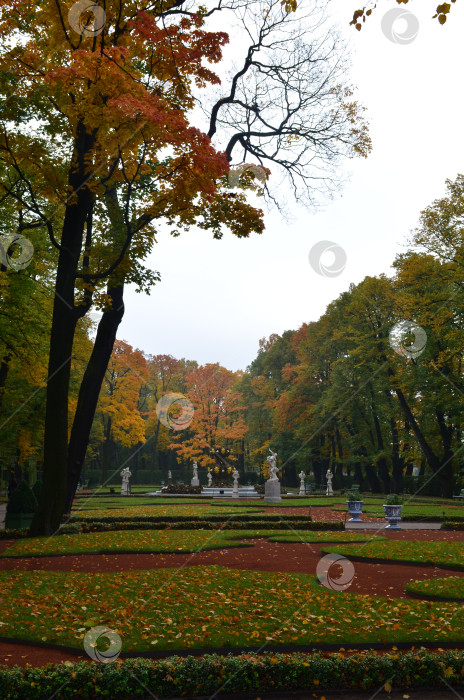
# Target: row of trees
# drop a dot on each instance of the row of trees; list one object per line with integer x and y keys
{"x": 98, "y": 147}
{"x": 359, "y": 390}
{"x": 348, "y": 392}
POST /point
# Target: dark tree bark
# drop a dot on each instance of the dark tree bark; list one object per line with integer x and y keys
{"x": 4, "y": 369}
{"x": 50, "y": 508}
{"x": 441, "y": 467}
{"x": 90, "y": 390}
{"x": 382, "y": 461}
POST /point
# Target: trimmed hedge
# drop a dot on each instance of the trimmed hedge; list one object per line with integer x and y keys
{"x": 452, "y": 525}
{"x": 104, "y": 526}
{"x": 247, "y": 673}
{"x": 203, "y": 525}
{"x": 220, "y": 518}
{"x": 181, "y": 488}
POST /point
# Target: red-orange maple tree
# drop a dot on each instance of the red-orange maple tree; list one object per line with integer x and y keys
{"x": 218, "y": 417}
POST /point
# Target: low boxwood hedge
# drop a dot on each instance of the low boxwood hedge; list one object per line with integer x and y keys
{"x": 111, "y": 524}
{"x": 452, "y": 525}
{"x": 213, "y": 518}
{"x": 94, "y": 526}
{"x": 247, "y": 673}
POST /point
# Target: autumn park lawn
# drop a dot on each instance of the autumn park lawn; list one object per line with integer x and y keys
{"x": 164, "y": 541}
{"x": 166, "y": 509}
{"x": 434, "y": 553}
{"x": 211, "y": 607}
{"x": 450, "y": 587}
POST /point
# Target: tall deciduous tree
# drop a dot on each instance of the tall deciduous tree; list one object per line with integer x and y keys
{"x": 96, "y": 147}
{"x": 218, "y": 414}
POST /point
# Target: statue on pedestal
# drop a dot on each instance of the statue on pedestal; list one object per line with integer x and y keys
{"x": 329, "y": 477}
{"x": 302, "y": 476}
{"x": 195, "y": 480}
{"x": 125, "y": 486}
{"x": 209, "y": 476}
{"x": 272, "y": 485}
{"x": 235, "y": 476}
{"x": 273, "y": 468}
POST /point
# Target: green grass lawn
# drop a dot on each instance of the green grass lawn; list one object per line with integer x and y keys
{"x": 211, "y": 607}
{"x": 147, "y": 511}
{"x": 165, "y": 541}
{"x": 129, "y": 501}
{"x": 451, "y": 587}
{"x": 439, "y": 553}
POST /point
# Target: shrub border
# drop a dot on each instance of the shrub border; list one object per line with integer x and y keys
{"x": 99, "y": 526}
{"x": 266, "y": 672}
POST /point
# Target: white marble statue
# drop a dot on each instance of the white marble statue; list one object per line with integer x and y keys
{"x": 125, "y": 486}
{"x": 195, "y": 480}
{"x": 329, "y": 477}
{"x": 235, "y": 476}
{"x": 209, "y": 476}
{"x": 169, "y": 475}
{"x": 302, "y": 476}
{"x": 273, "y": 468}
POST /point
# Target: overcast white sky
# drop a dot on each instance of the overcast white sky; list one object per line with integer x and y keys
{"x": 217, "y": 298}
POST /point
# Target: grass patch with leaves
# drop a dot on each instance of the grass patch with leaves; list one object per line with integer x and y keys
{"x": 434, "y": 553}
{"x": 93, "y": 503}
{"x": 162, "y": 541}
{"x": 211, "y": 607}
{"x": 450, "y": 587}
{"x": 147, "y": 511}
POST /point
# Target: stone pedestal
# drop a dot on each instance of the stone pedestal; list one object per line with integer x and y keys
{"x": 272, "y": 492}
{"x": 195, "y": 481}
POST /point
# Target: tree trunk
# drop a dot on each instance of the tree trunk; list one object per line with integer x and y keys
{"x": 4, "y": 368}
{"x": 381, "y": 462}
{"x": 106, "y": 450}
{"x": 90, "y": 390}
{"x": 397, "y": 463}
